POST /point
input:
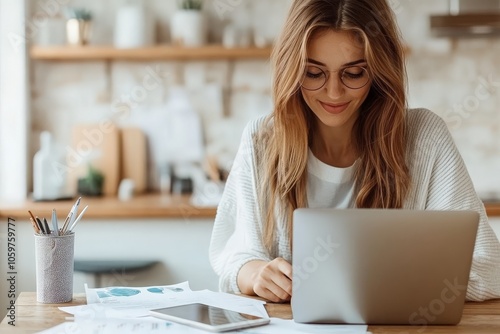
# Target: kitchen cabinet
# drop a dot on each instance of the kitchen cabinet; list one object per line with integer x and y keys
{"x": 160, "y": 52}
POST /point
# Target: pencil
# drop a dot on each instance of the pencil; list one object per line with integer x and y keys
{"x": 32, "y": 216}
{"x": 35, "y": 227}
{"x": 34, "y": 221}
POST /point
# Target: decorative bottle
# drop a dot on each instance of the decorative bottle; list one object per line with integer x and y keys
{"x": 46, "y": 182}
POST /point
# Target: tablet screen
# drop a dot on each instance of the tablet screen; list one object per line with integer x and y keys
{"x": 209, "y": 316}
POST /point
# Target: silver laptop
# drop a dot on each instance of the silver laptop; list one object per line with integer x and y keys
{"x": 375, "y": 266}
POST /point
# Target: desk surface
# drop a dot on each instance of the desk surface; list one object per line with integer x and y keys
{"x": 478, "y": 318}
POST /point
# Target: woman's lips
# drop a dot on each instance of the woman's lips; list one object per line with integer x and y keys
{"x": 335, "y": 108}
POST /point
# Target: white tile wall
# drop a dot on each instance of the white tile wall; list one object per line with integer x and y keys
{"x": 449, "y": 77}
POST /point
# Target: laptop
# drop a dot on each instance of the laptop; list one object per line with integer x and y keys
{"x": 376, "y": 266}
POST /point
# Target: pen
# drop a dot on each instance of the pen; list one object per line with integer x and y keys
{"x": 55, "y": 225}
{"x": 77, "y": 219}
{"x": 65, "y": 226}
{"x": 40, "y": 225}
{"x": 74, "y": 211}
{"x": 71, "y": 213}
{"x": 46, "y": 226}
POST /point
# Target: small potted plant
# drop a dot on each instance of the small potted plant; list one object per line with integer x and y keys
{"x": 188, "y": 25}
{"x": 92, "y": 183}
{"x": 78, "y": 26}
{"x": 191, "y": 4}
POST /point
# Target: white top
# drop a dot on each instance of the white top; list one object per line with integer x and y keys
{"x": 440, "y": 182}
{"x": 329, "y": 187}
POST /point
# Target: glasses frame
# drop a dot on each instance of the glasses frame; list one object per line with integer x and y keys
{"x": 341, "y": 76}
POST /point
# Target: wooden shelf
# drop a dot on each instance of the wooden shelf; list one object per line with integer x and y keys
{"x": 492, "y": 208}
{"x": 160, "y": 52}
{"x": 141, "y": 206}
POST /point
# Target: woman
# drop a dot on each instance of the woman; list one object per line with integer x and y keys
{"x": 340, "y": 136}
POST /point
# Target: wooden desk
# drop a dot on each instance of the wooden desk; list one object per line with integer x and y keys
{"x": 478, "y": 318}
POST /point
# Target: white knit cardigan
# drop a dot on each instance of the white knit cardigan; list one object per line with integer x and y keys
{"x": 440, "y": 181}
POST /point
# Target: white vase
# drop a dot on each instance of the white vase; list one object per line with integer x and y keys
{"x": 77, "y": 32}
{"x": 188, "y": 28}
{"x": 133, "y": 28}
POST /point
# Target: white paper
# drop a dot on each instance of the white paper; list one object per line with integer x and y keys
{"x": 127, "y": 326}
{"x": 133, "y": 302}
{"x": 121, "y": 294}
{"x": 153, "y": 325}
{"x": 126, "y": 310}
{"x": 282, "y": 326}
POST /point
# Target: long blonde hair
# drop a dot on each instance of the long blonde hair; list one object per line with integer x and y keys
{"x": 382, "y": 179}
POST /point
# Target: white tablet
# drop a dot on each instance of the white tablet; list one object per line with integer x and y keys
{"x": 209, "y": 318}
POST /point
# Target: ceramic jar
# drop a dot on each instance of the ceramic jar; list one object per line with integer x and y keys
{"x": 133, "y": 28}
{"x": 78, "y": 31}
{"x": 188, "y": 28}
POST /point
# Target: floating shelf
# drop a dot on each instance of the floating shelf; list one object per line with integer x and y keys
{"x": 465, "y": 25}
{"x": 161, "y": 52}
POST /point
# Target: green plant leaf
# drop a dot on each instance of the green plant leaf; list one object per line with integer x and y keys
{"x": 191, "y": 4}
{"x": 79, "y": 14}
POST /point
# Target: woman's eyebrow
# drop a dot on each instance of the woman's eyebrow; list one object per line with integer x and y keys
{"x": 352, "y": 63}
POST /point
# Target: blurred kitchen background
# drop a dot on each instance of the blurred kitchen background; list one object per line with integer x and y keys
{"x": 149, "y": 95}
{"x": 191, "y": 111}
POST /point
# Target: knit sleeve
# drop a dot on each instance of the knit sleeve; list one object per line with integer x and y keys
{"x": 237, "y": 232}
{"x": 451, "y": 188}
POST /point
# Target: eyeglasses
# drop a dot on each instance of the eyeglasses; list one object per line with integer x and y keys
{"x": 353, "y": 77}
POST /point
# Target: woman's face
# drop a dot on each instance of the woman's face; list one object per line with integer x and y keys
{"x": 335, "y": 54}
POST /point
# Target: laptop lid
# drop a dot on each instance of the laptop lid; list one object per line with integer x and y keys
{"x": 375, "y": 266}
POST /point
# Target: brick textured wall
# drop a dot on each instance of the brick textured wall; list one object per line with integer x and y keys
{"x": 458, "y": 79}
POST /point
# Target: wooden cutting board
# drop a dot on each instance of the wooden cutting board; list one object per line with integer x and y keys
{"x": 134, "y": 157}
{"x": 99, "y": 145}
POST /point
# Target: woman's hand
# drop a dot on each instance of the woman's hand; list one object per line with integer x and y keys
{"x": 269, "y": 280}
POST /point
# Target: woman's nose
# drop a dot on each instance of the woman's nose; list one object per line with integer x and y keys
{"x": 334, "y": 86}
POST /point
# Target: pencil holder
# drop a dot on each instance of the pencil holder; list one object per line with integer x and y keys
{"x": 54, "y": 268}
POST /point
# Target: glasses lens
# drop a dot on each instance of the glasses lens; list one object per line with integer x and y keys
{"x": 355, "y": 77}
{"x": 314, "y": 78}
